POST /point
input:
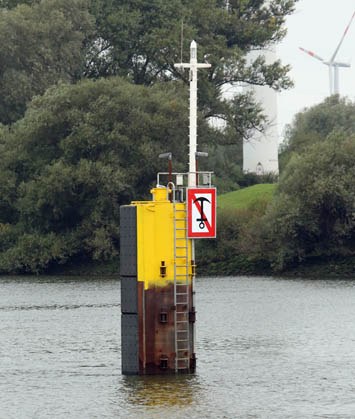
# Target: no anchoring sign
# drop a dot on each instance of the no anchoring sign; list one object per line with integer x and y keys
{"x": 201, "y": 212}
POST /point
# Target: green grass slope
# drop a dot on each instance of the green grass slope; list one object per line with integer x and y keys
{"x": 243, "y": 198}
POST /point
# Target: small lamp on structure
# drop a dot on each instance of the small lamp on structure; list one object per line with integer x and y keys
{"x": 168, "y": 156}
{"x": 199, "y": 154}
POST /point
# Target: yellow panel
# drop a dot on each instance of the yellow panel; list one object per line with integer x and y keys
{"x": 155, "y": 241}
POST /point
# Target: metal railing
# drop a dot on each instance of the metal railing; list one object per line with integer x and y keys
{"x": 180, "y": 183}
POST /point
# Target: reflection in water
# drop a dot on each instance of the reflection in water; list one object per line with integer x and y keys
{"x": 166, "y": 390}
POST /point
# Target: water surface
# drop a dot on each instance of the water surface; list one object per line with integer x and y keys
{"x": 266, "y": 348}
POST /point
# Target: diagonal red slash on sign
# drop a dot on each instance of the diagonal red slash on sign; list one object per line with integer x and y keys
{"x": 198, "y": 206}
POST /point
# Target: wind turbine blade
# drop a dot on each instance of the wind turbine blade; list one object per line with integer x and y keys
{"x": 312, "y": 54}
{"x": 342, "y": 64}
{"x": 342, "y": 39}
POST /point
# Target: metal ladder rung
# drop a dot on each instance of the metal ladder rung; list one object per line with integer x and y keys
{"x": 182, "y": 336}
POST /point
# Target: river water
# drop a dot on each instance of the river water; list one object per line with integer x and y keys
{"x": 266, "y": 348}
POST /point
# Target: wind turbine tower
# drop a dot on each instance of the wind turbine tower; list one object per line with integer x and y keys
{"x": 260, "y": 151}
{"x": 333, "y": 65}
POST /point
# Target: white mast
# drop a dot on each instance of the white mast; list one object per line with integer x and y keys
{"x": 193, "y": 65}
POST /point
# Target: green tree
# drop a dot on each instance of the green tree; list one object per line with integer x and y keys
{"x": 39, "y": 45}
{"x": 80, "y": 151}
{"x": 142, "y": 40}
{"x": 314, "y": 124}
{"x": 312, "y": 214}
{"x": 11, "y": 4}
{"x": 46, "y": 41}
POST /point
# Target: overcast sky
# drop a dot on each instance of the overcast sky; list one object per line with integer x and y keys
{"x": 317, "y": 25}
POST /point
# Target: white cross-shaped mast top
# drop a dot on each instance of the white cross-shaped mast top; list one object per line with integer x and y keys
{"x": 193, "y": 65}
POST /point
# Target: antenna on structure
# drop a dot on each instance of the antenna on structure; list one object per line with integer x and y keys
{"x": 182, "y": 39}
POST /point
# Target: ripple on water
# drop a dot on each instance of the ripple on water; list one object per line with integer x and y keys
{"x": 266, "y": 348}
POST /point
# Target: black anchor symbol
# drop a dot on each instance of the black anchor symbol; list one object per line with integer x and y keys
{"x": 202, "y": 219}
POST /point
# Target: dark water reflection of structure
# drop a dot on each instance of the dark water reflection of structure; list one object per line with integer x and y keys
{"x": 267, "y": 348}
{"x": 171, "y": 390}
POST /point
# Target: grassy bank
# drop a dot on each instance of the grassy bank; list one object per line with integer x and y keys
{"x": 239, "y": 214}
{"x": 233, "y": 251}
{"x": 244, "y": 198}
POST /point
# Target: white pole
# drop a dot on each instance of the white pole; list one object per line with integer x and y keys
{"x": 193, "y": 115}
{"x": 193, "y": 65}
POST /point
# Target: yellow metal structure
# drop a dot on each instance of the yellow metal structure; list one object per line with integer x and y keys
{"x": 157, "y": 222}
{"x": 165, "y": 273}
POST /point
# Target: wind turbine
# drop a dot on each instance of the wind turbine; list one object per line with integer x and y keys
{"x": 332, "y": 64}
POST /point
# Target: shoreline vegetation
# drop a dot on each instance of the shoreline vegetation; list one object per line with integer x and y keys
{"x": 327, "y": 268}
{"x": 224, "y": 257}
{"x": 240, "y": 215}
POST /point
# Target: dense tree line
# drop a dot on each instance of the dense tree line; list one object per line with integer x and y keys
{"x": 81, "y": 151}
{"x": 89, "y": 98}
{"x": 311, "y": 217}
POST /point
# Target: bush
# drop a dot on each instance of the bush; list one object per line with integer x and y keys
{"x": 236, "y": 250}
{"x": 312, "y": 214}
